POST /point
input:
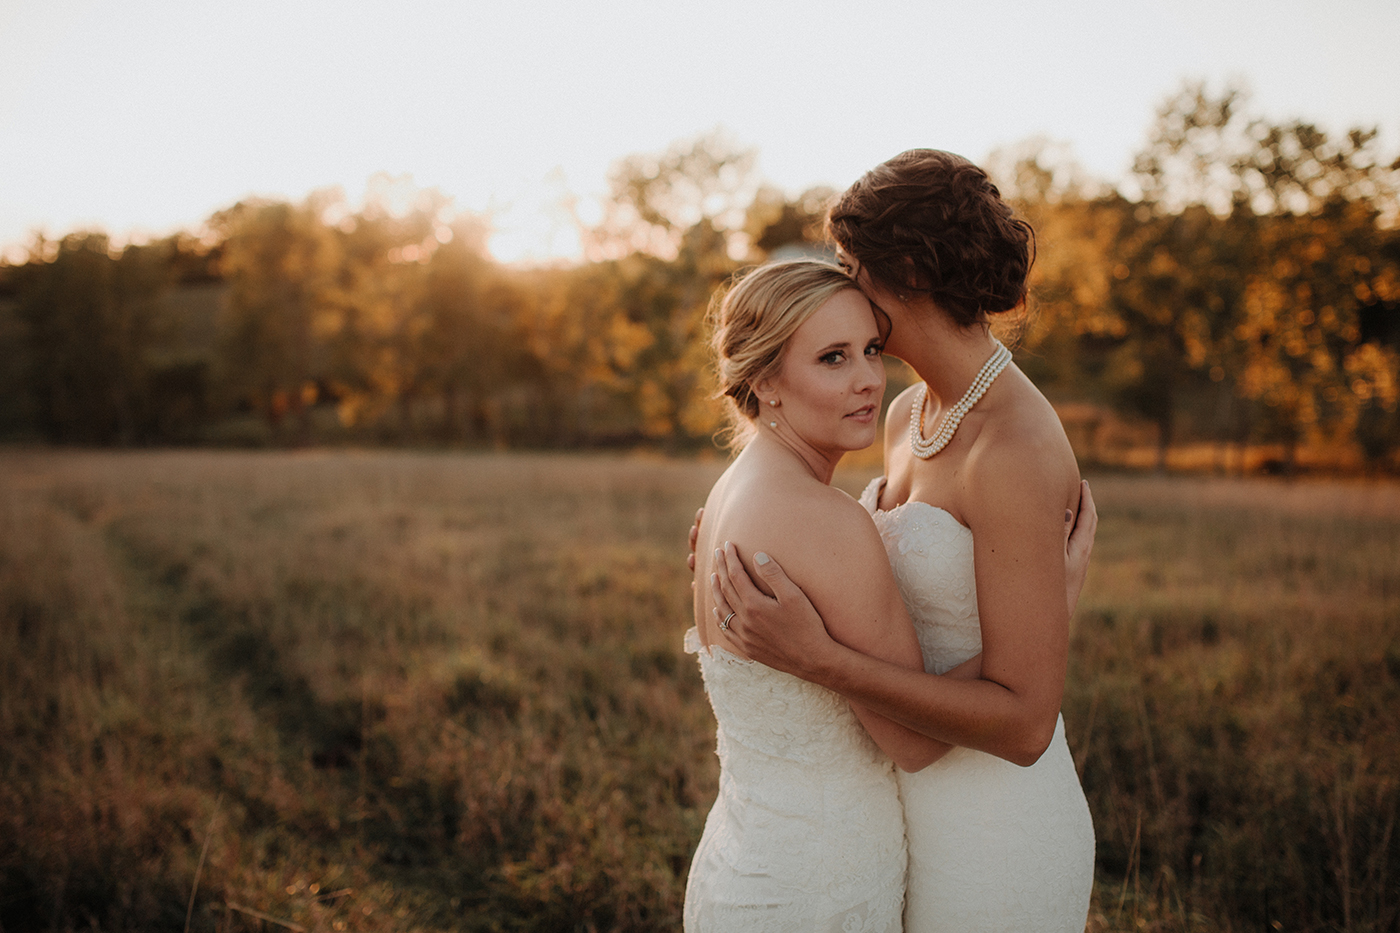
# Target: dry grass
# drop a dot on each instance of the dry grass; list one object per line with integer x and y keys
{"x": 450, "y": 684}
{"x": 1234, "y": 704}
{"x": 413, "y": 691}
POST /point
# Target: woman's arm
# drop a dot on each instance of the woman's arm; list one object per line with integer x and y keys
{"x": 1080, "y": 530}
{"x": 787, "y": 632}
{"x": 1018, "y": 548}
{"x": 1005, "y": 714}
{"x": 836, "y": 554}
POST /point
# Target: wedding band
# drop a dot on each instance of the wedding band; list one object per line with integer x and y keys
{"x": 724, "y": 623}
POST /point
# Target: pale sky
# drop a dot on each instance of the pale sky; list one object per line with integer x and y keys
{"x": 145, "y": 116}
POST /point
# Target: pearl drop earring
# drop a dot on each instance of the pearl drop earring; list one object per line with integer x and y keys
{"x": 772, "y": 402}
{"x": 772, "y": 424}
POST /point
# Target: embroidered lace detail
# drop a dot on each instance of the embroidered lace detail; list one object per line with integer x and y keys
{"x": 807, "y": 831}
{"x": 931, "y": 554}
{"x": 992, "y": 846}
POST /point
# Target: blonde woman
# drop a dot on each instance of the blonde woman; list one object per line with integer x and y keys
{"x": 807, "y": 833}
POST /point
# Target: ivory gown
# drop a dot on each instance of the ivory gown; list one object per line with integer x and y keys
{"x": 807, "y": 833}
{"x": 993, "y": 847}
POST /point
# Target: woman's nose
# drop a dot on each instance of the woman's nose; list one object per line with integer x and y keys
{"x": 874, "y": 377}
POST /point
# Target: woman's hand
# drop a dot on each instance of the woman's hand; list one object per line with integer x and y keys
{"x": 694, "y": 536}
{"x": 1079, "y": 543}
{"x": 783, "y": 630}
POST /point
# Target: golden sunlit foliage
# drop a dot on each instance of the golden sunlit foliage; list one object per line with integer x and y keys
{"x": 1242, "y": 288}
{"x": 1247, "y": 292}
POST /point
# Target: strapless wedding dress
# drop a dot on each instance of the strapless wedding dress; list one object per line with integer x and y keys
{"x": 807, "y": 833}
{"x": 992, "y": 846}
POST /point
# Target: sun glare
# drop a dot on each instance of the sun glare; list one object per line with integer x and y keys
{"x": 538, "y": 231}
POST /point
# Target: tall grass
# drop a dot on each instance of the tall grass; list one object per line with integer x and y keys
{"x": 449, "y": 689}
{"x": 385, "y": 691}
{"x": 1234, "y": 705}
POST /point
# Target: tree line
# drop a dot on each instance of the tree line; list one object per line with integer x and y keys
{"x": 1241, "y": 286}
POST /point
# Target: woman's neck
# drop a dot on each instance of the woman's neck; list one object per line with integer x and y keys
{"x": 947, "y": 357}
{"x": 785, "y": 447}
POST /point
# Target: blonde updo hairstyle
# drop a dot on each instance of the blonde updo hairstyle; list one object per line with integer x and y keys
{"x": 751, "y": 325}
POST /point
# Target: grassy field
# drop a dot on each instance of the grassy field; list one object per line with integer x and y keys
{"x": 393, "y": 691}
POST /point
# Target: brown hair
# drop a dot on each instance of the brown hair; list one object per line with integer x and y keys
{"x": 752, "y": 323}
{"x": 932, "y": 222}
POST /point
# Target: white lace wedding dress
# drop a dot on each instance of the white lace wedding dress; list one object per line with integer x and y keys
{"x": 992, "y": 846}
{"x": 807, "y": 833}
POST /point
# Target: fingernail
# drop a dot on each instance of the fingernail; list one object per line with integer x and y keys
{"x": 718, "y": 555}
{"x": 760, "y": 558}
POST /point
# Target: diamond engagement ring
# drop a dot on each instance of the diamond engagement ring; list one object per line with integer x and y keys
{"x": 724, "y": 623}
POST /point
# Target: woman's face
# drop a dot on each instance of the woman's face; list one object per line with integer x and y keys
{"x": 832, "y": 379}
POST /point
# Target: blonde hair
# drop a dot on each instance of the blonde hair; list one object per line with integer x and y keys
{"x": 751, "y": 324}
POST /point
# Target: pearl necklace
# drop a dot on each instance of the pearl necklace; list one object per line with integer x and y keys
{"x": 923, "y": 449}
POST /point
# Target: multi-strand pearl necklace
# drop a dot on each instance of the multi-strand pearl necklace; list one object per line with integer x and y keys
{"x": 923, "y": 449}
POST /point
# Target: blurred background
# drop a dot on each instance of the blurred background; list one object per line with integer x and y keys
{"x": 270, "y": 224}
{"x": 354, "y": 406}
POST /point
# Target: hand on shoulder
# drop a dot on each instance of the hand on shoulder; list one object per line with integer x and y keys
{"x": 842, "y": 566}
{"x": 828, "y": 546}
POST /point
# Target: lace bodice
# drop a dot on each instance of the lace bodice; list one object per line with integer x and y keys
{"x": 807, "y": 831}
{"x": 931, "y": 554}
{"x": 800, "y": 722}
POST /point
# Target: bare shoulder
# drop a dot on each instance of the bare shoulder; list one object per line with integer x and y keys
{"x": 830, "y": 547}
{"x": 836, "y": 525}
{"x": 1022, "y": 457}
{"x": 807, "y": 526}
{"x": 838, "y": 559}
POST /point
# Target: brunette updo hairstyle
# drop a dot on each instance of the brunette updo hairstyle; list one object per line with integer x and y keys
{"x": 932, "y": 222}
{"x": 751, "y": 325}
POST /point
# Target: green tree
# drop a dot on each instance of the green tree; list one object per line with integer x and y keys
{"x": 473, "y": 351}
{"x": 17, "y": 403}
{"x": 656, "y": 198}
{"x": 671, "y": 232}
{"x": 1327, "y": 253}
{"x": 90, "y": 319}
{"x": 280, "y": 261}
{"x": 1244, "y": 263}
{"x": 1078, "y": 225}
{"x": 375, "y": 327}
{"x": 1180, "y": 259}
{"x": 773, "y": 220}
